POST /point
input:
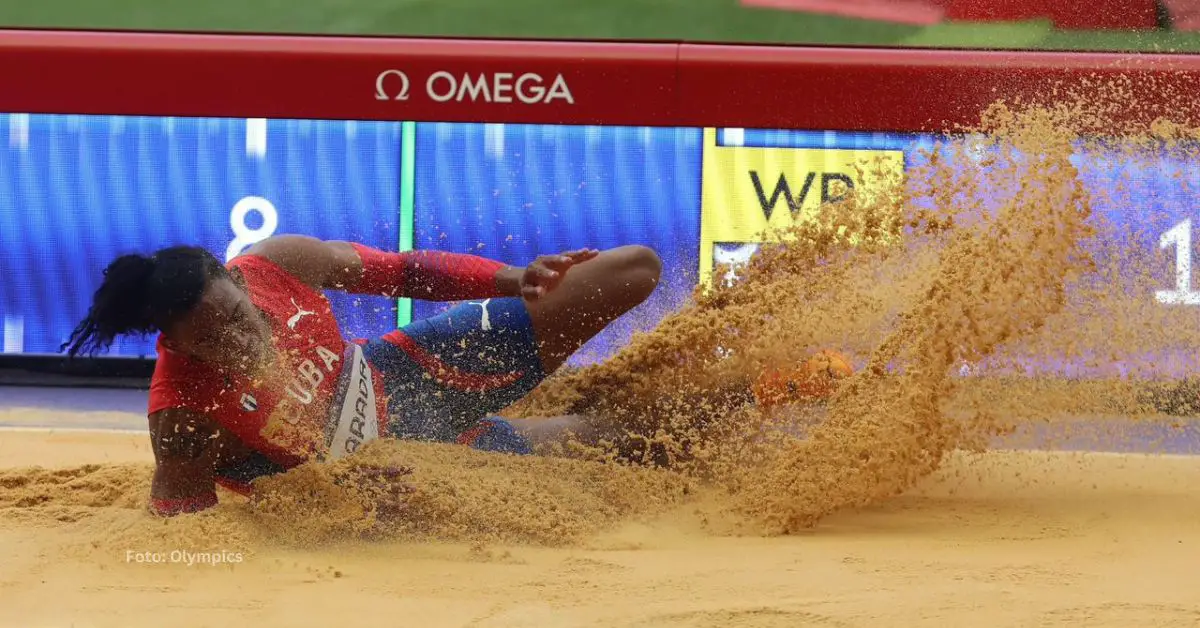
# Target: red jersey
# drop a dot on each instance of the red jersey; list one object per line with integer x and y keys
{"x": 327, "y": 402}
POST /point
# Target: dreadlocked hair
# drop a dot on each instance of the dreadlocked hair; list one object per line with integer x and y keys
{"x": 142, "y": 294}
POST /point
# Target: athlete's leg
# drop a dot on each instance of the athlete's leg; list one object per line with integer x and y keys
{"x": 592, "y": 295}
{"x": 447, "y": 375}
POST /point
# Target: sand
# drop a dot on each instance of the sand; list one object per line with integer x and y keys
{"x": 995, "y": 539}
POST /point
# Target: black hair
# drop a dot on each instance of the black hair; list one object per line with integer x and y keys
{"x": 141, "y": 294}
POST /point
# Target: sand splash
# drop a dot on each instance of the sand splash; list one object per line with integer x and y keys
{"x": 988, "y": 260}
{"x": 979, "y": 288}
{"x": 459, "y": 494}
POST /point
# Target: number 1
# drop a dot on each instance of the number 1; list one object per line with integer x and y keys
{"x": 1181, "y": 237}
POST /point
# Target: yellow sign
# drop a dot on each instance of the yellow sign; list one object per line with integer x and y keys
{"x": 746, "y": 191}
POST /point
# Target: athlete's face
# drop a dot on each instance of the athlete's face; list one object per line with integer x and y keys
{"x": 224, "y": 329}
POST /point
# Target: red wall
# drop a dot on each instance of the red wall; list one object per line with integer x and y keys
{"x": 610, "y": 83}
{"x": 1071, "y": 14}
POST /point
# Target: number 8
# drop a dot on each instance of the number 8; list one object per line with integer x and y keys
{"x": 244, "y": 236}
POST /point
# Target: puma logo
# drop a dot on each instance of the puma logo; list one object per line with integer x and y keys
{"x": 486, "y": 322}
{"x": 300, "y": 313}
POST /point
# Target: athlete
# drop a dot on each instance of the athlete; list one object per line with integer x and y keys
{"x": 254, "y": 376}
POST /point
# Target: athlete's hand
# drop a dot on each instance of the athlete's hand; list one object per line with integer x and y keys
{"x": 547, "y": 272}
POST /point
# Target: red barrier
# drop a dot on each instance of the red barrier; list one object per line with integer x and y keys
{"x": 1076, "y": 14}
{"x": 549, "y": 82}
{"x": 1184, "y": 15}
{"x": 900, "y": 89}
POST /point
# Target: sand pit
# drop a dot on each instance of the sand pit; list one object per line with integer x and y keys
{"x": 998, "y": 539}
{"x": 986, "y": 306}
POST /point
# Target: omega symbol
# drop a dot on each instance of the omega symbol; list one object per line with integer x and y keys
{"x": 381, "y": 86}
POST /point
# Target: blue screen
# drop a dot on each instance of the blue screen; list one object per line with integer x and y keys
{"x": 513, "y": 192}
{"x": 77, "y": 191}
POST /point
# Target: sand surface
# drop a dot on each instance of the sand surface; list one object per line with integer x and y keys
{"x": 999, "y": 539}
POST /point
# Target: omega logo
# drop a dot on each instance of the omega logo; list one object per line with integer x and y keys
{"x": 400, "y": 85}
{"x": 527, "y": 88}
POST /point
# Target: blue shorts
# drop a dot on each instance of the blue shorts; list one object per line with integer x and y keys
{"x": 445, "y": 375}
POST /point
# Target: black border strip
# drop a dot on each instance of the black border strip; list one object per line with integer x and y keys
{"x": 56, "y": 370}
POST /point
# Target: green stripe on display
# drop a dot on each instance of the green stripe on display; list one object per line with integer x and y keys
{"x": 408, "y": 150}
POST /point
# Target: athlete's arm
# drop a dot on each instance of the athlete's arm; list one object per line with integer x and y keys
{"x": 359, "y": 269}
{"x": 426, "y": 275}
{"x": 185, "y": 457}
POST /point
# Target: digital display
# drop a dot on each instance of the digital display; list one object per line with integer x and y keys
{"x": 512, "y": 192}
{"x": 76, "y": 191}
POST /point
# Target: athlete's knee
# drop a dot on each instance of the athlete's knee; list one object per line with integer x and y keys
{"x": 637, "y": 271}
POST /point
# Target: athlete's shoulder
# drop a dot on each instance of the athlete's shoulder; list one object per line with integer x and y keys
{"x": 179, "y": 382}
{"x": 183, "y": 383}
{"x": 251, "y": 264}
{"x": 267, "y": 280}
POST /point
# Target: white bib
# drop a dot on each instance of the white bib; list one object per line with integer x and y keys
{"x": 353, "y": 419}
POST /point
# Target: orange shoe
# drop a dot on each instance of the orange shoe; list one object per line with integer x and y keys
{"x": 814, "y": 379}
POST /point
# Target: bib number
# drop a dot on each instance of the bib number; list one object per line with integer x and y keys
{"x": 354, "y": 419}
